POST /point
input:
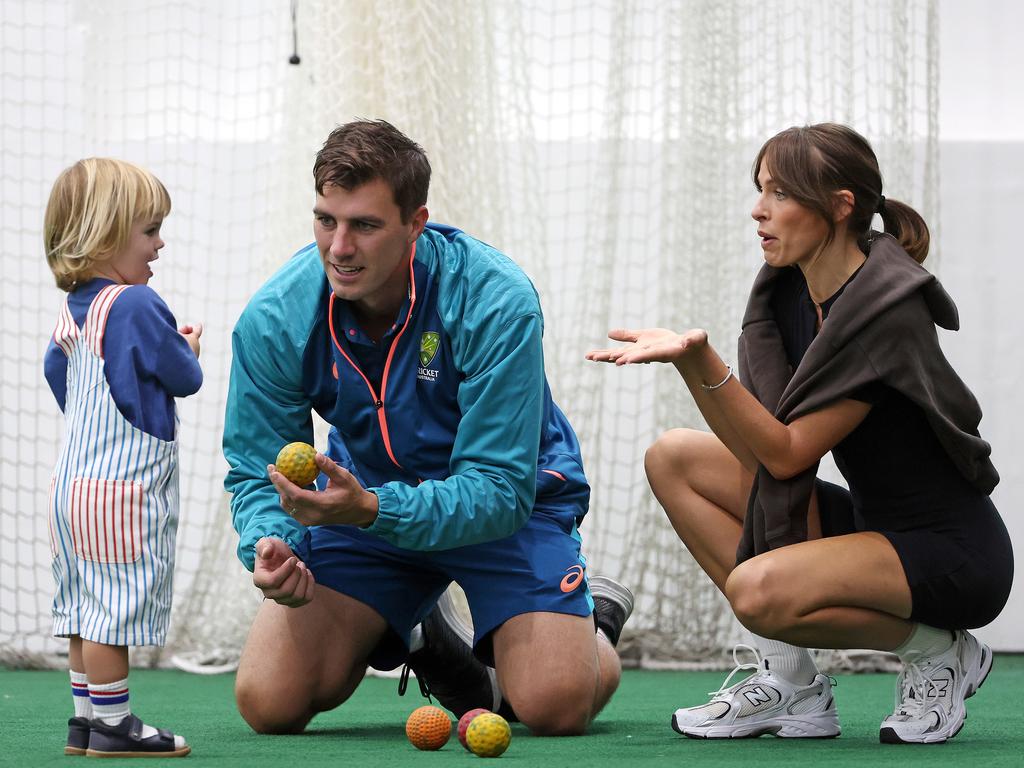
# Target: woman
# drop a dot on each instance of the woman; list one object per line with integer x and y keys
{"x": 838, "y": 353}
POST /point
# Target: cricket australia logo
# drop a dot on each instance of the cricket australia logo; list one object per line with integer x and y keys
{"x": 428, "y": 350}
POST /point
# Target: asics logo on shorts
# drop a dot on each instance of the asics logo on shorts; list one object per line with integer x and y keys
{"x": 572, "y": 579}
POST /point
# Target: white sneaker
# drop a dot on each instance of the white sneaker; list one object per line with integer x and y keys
{"x": 930, "y": 693}
{"x": 762, "y": 703}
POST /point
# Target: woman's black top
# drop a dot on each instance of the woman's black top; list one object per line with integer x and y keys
{"x": 893, "y": 462}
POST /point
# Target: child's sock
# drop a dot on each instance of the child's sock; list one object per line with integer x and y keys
{"x": 790, "y": 662}
{"x": 110, "y": 704}
{"x": 110, "y": 701}
{"x": 80, "y": 694}
{"x": 924, "y": 641}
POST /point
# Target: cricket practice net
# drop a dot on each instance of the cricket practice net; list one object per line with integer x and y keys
{"x": 605, "y": 146}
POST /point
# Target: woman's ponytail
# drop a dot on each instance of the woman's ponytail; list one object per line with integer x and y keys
{"x": 907, "y": 226}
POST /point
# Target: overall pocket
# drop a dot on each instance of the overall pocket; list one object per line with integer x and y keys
{"x": 106, "y": 520}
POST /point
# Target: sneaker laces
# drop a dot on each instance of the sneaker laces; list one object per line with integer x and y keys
{"x": 403, "y": 684}
{"x": 757, "y": 664}
{"x": 914, "y": 691}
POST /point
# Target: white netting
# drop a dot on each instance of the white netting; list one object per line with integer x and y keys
{"x": 606, "y": 146}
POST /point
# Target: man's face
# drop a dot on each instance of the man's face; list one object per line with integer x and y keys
{"x": 364, "y": 245}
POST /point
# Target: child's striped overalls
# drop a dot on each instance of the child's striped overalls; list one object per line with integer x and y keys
{"x": 113, "y": 503}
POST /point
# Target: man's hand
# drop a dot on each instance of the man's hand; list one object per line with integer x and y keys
{"x": 192, "y": 334}
{"x": 280, "y": 575}
{"x": 343, "y": 502}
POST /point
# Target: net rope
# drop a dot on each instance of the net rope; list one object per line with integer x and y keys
{"x": 605, "y": 146}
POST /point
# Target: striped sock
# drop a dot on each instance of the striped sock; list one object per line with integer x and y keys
{"x": 110, "y": 704}
{"x": 110, "y": 701}
{"x": 80, "y": 694}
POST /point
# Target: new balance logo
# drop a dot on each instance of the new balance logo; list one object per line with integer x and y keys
{"x": 757, "y": 696}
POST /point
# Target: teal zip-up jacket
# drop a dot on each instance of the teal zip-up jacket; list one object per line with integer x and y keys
{"x": 448, "y": 419}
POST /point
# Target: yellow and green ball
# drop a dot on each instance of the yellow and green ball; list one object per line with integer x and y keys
{"x": 296, "y": 461}
{"x": 488, "y": 735}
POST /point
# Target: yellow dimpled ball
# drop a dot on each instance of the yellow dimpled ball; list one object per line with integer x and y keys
{"x": 488, "y": 735}
{"x": 428, "y": 728}
{"x": 296, "y": 462}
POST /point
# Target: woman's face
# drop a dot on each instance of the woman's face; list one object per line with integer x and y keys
{"x": 790, "y": 233}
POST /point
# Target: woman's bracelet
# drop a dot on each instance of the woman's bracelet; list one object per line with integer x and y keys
{"x": 712, "y": 387}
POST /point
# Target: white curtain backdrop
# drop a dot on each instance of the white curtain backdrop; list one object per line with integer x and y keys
{"x": 605, "y": 146}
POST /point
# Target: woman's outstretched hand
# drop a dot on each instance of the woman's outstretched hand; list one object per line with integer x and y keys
{"x": 650, "y": 345}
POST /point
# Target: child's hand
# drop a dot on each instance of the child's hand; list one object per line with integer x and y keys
{"x": 192, "y": 334}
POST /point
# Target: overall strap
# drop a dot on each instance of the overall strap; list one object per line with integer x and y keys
{"x": 65, "y": 335}
{"x": 96, "y": 318}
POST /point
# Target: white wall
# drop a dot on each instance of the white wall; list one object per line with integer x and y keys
{"x": 981, "y": 123}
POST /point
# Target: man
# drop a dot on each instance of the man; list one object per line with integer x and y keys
{"x": 447, "y": 460}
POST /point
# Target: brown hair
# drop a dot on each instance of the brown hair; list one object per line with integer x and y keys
{"x": 813, "y": 162}
{"x": 364, "y": 150}
{"x": 89, "y": 217}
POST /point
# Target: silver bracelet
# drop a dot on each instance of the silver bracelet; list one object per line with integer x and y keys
{"x": 712, "y": 387}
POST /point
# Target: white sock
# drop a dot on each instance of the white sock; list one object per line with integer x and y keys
{"x": 924, "y": 641}
{"x": 110, "y": 704}
{"x": 80, "y": 694}
{"x": 416, "y": 638}
{"x": 790, "y": 662}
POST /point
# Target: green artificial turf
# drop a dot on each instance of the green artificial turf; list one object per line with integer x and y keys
{"x": 633, "y": 729}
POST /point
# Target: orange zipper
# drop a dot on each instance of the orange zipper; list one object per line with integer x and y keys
{"x": 378, "y": 402}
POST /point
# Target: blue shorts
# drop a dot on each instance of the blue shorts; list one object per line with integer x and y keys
{"x": 538, "y": 568}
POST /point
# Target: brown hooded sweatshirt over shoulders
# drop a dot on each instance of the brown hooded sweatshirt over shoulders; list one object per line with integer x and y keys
{"x": 880, "y": 330}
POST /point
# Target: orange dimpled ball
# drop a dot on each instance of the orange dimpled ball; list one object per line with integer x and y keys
{"x": 428, "y": 728}
{"x": 296, "y": 461}
{"x": 488, "y": 735}
{"x": 464, "y": 722}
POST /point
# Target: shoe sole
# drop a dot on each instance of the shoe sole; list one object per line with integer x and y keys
{"x": 462, "y": 627}
{"x": 176, "y": 753}
{"x": 783, "y": 728}
{"x": 890, "y": 736}
{"x": 602, "y": 586}
{"x": 453, "y": 616}
{"x": 74, "y": 751}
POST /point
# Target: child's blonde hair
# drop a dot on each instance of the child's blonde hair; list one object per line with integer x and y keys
{"x": 90, "y": 214}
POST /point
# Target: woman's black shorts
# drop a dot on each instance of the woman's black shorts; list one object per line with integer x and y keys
{"x": 959, "y": 567}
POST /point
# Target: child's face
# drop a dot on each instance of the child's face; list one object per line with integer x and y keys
{"x": 131, "y": 266}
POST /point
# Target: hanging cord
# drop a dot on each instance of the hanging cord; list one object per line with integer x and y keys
{"x": 294, "y": 58}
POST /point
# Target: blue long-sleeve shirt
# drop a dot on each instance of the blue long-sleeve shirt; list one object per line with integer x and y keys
{"x": 146, "y": 361}
{"x": 466, "y": 441}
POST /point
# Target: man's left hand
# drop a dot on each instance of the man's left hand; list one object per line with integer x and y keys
{"x": 343, "y": 502}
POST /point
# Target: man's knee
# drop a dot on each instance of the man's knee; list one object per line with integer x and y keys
{"x": 271, "y": 711}
{"x": 556, "y": 709}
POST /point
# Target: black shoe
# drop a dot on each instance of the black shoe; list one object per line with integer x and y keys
{"x": 613, "y": 604}
{"x": 78, "y": 736}
{"x": 446, "y": 667}
{"x": 125, "y": 740}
